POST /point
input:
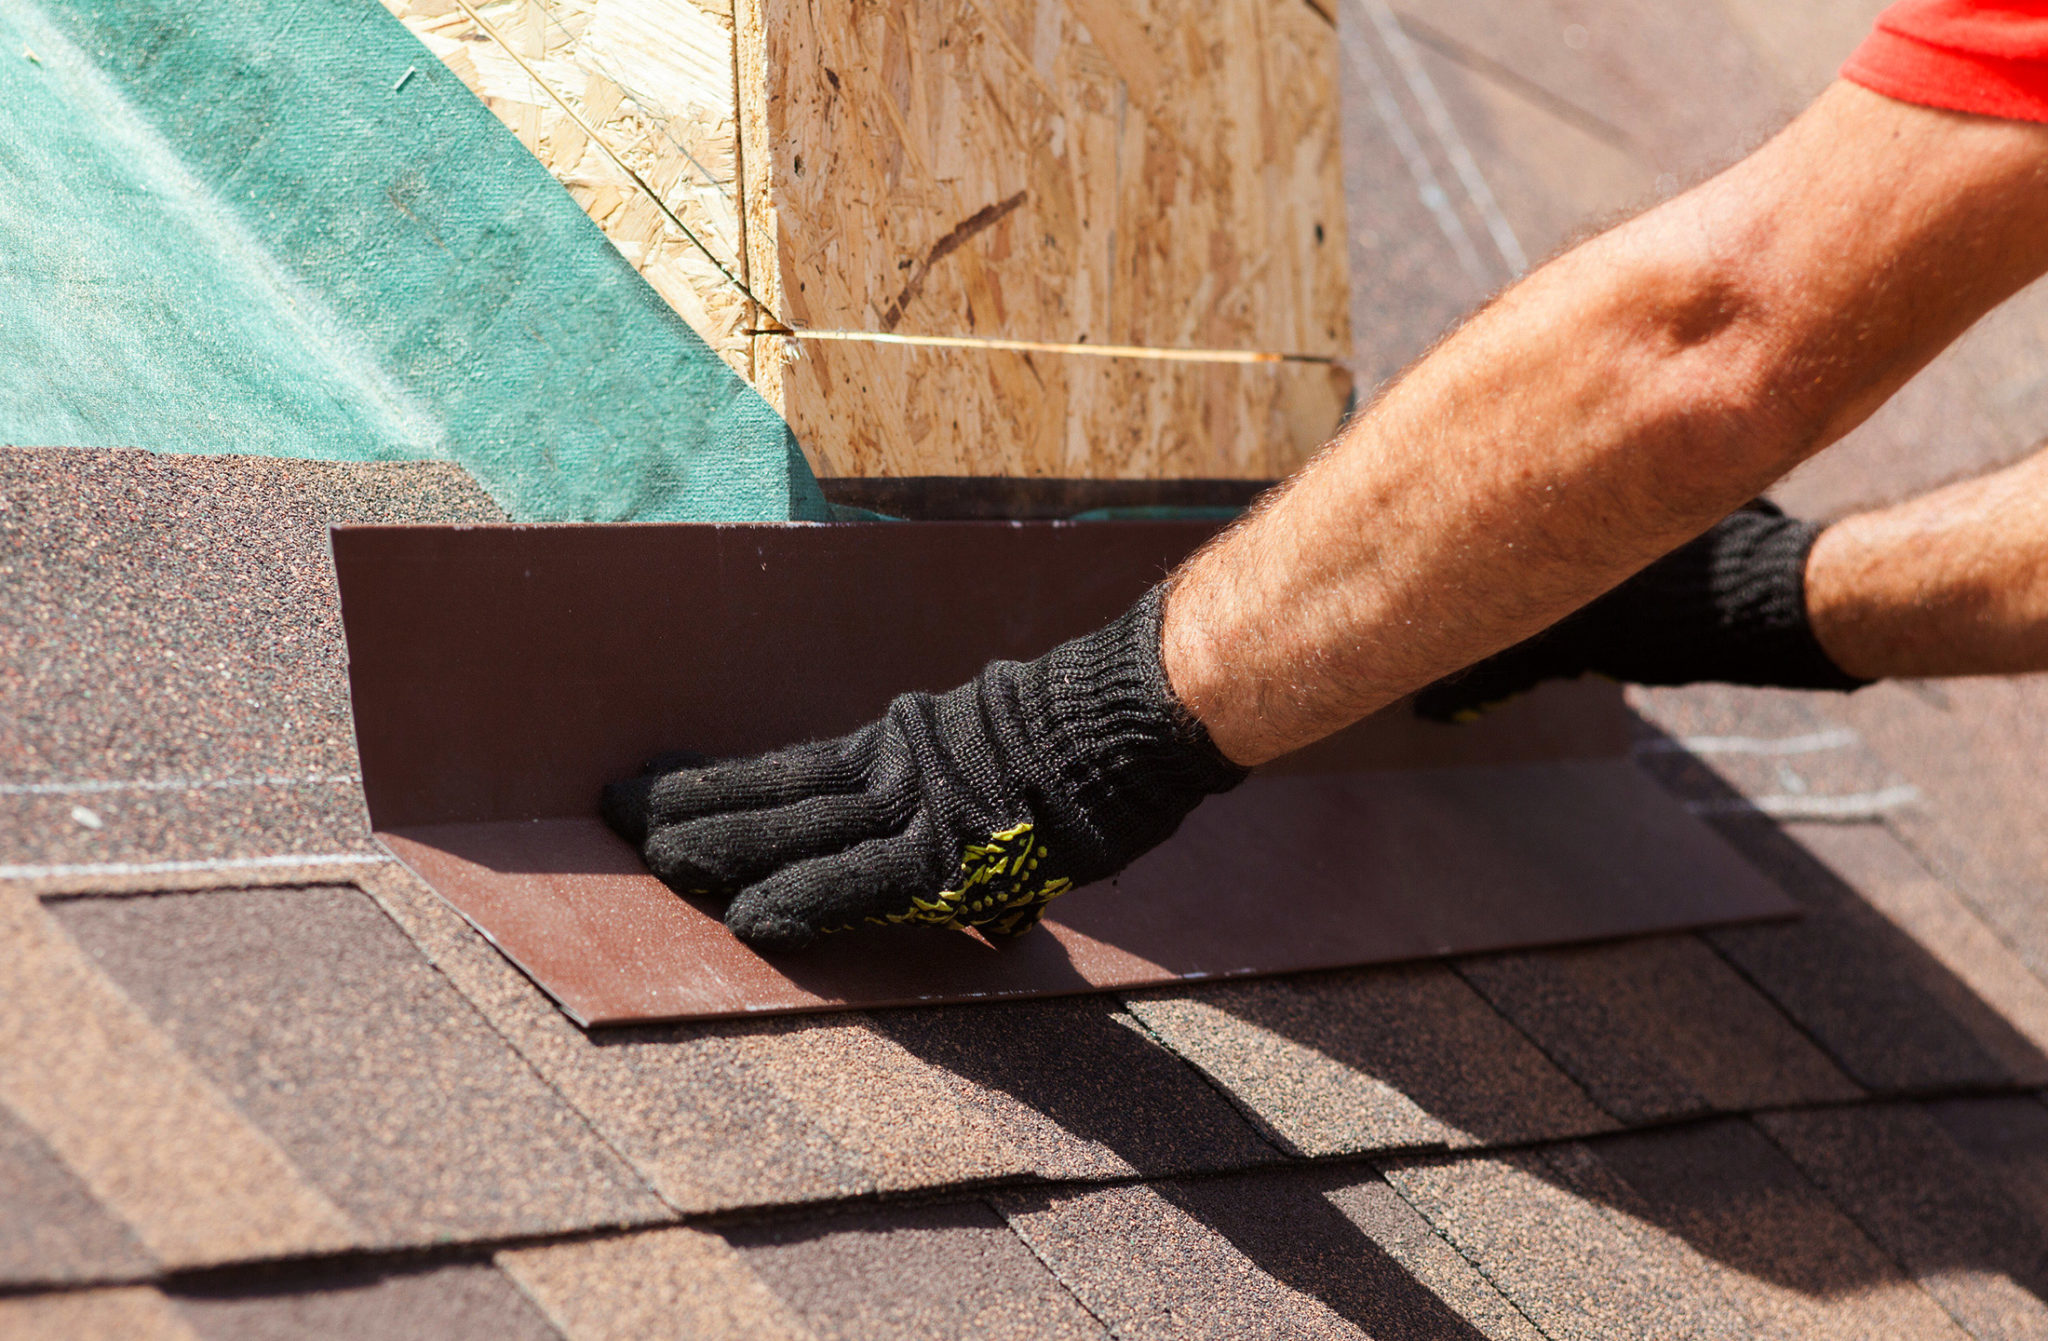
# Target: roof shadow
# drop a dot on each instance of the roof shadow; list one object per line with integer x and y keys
{"x": 1308, "y": 1243}
{"x": 1825, "y": 1198}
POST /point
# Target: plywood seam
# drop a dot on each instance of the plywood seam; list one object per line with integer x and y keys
{"x": 755, "y": 311}
{"x": 1162, "y": 352}
{"x": 736, "y": 156}
{"x": 640, "y": 182}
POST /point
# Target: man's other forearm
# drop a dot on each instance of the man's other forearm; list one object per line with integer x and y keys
{"x": 1606, "y": 409}
{"x": 1951, "y": 583}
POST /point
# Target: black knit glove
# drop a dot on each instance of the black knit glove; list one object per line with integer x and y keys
{"x": 1729, "y": 606}
{"x": 970, "y": 808}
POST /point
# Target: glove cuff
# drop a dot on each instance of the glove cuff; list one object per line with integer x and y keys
{"x": 1731, "y": 607}
{"x": 1111, "y": 684}
{"x": 1107, "y": 740}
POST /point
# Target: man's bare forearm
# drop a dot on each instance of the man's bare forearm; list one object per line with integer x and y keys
{"x": 1606, "y": 409}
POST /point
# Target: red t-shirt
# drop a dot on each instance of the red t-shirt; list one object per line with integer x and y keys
{"x": 1984, "y": 56}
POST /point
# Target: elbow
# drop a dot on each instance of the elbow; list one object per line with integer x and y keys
{"x": 1720, "y": 362}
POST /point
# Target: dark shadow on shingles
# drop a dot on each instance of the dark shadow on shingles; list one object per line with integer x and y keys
{"x": 1885, "y": 1010}
{"x": 353, "y": 1301}
{"x": 1894, "y": 1018}
{"x": 1092, "y": 1075}
{"x": 1297, "y": 1236}
{"x": 1897, "y": 1021}
{"x": 1733, "y": 1195}
{"x": 1873, "y": 999}
{"x": 1934, "y": 1205}
{"x": 51, "y": 1227}
{"x": 1414, "y": 1058}
{"x": 951, "y": 1270}
{"x": 1103, "y": 1082}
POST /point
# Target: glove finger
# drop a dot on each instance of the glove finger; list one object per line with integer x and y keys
{"x": 699, "y": 786}
{"x": 877, "y": 879}
{"x": 724, "y": 852}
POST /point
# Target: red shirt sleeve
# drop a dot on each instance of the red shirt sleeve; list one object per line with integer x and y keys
{"x": 1983, "y": 56}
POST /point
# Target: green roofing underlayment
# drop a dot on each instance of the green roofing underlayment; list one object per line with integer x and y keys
{"x": 245, "y": 227}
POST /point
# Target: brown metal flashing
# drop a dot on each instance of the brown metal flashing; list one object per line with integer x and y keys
{"x": 502, "y": 674}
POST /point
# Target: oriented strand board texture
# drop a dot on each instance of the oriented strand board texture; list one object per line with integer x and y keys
{"x": 654, "y": 79}
{"x": 1159, "y": 173}
{"x": 1145, "y": 172}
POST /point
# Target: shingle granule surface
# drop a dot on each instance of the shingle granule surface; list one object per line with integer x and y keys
{"x": 172, "y": 622}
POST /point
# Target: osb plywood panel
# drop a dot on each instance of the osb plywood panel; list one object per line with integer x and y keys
{"x": 1159, "y": 173}
{"x": 654, "y": 79}
{"x": 1144, "y": 172}
{"x": 1153, "y": 173}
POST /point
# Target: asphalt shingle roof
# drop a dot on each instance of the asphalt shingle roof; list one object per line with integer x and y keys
{"x": 256, "y": 1080}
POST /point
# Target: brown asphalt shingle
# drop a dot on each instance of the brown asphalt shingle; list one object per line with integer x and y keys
{"x": 1407, "y": 283}
{"x": 1551, "y": 1229}
{"x": 771, "y": 1112}
{"x": 139, "y": 1123}
{"x": 1550, "y": 166}
{"x": 457, "y": 1302}
{"x": 1976, "y": 750}
{"x": 51, "y": 1228}
{"x": 705, "y": 1113}
{"x": 1657, "y": 1028}
{"x": 872, "y": 1275}
{"x": 171, "y": 621}
{"x": 1968, "y": 966}
{"x": 1678, "y": 85}
{"x": 1858, "y": 984}
{"x": 329, "y": 1031}
{"x": 1280, "y": 1254}
{"x": 657, "y": 1283}
{"x": 1396, "y": 1229}
{"x": 1937, "y": 1211}
{"x": 2008, "y": 1139}
{"x": 129, "y": 1313}
{"x": 1369, "y": 1059}
{"x": 1798, "y": 1266}
{"x": 1081, "y": 1089}
{"x": 1785, "y": 752}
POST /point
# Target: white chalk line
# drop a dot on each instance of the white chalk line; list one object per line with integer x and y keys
{"x": 1423, "y": 89}
{"x": 1858, "y": 806}
{"x": 1427, "y": 188}
{"x": 131, "y": 868}
{"x": 1811, "y": 743}
{"x": 98, "y": 788}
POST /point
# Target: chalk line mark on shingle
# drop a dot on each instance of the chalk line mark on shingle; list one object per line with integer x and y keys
{"x": 98, "y": 787}
{"x": 1810, "y": 742}
{"x": 132, "y": 868}
{"x": 1855, "y": 808}
{"x": 1429, "y": 188}
{"x": 1438, "y": 118}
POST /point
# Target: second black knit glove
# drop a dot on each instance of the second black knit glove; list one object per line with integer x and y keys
{"x": 1729, "y": 606}
{"x": 973, "y": 808}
